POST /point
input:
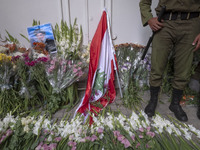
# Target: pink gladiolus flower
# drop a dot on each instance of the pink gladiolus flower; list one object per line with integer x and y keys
{"x": 141, "y": 129}
{"x": 75, "y": 70}
{"x": 9, "y": 132}
{"x": 80, "y": 73}
{"x": 73, "y": 148}
{"x": 148, "y": 129}
{"x": 45, "y": 147}
{"x": 69, "y": 62}
{"x": 138, "y": 144}
{"x": 88, "y": 138}
{"x": 126, "y": 143}
{"x": 116, "y": 133}
{"x": 64, "y": 68}
{"x": 100, "y": 130}
{"x": 52, "y": 146}
{"x": 83, "y": 140}
{"x": 141, "y": 136}
{"x": 133, "y": 138}
{"x": 58, "y": 139}
{"x": 93, "y": 138}
{"x": 71, "y": 143}
{"x": 71, "y": 137}
{"x": 120, "y": 138}
{"x": 39, "y": 146}
{"x": 151, "y": 134}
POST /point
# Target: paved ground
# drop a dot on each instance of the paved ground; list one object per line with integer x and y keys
{"x": 162, "y": 108}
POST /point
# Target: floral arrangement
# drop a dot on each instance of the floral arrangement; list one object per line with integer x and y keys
{"x": 34, "y": 78}
{"x": 133, "y": 73}
{"x": 69, "y": 42}
{"x": 107, "y": 132}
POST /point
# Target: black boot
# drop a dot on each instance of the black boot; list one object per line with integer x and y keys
{"x": 175, "y": 105}
{"x": 150, "y": 108}
{"x": 198, "y": 111}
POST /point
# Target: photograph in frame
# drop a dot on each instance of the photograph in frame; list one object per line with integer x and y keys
{"x": 42, "y": 35}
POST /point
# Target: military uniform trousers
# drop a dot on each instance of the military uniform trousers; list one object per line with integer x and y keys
{"x": 178, "y": 36}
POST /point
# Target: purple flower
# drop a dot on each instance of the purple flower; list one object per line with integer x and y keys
{"x": 9, "y": 132}
{"x": 14, "y": 58}
{"x": 39, "y": 146}
{"x": 120, "y": 138}
{"x": 93, "y": 138}
{"x": 80, "y": 73}
{"x": 52, "y": 146}
{"x": 71, "y": 143}
{"x": 87, "y": 138}
{"x": 26, "y": 58}
{"x": 151, "y": 134}
{"x": 100, "y": 130}
{"x": 43, "y": 59}
{"x": 148, "y": 67}
{"x": 141, "y": 136}
{"x": 141, "y": 129}
{"x": 133, "y": 138}
{"x": 116, "y": 133}
{"x": 83, "y": 140}
{"x": 126, "y": 143}
{"x": 148, "y": 129}
{"x": 32, "y": 63}
{"x": 58, "y": 139}
{"x": 138, "y": 144}
{"x": 75, "y": 70}
{"x": 73, "y": 148}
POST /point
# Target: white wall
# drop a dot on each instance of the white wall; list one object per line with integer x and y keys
{"x": 126, "y": 26}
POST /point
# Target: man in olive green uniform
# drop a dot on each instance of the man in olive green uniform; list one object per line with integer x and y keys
{"x": 177, "y": 32}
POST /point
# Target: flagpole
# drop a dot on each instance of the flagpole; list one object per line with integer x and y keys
{"x": 113, "y": 52}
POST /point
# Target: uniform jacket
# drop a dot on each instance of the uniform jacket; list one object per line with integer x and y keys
{"x": 171, "y": 6}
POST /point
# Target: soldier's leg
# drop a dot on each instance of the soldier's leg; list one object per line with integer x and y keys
{"x": 162, "y": 45}
{"x": 186, "y": 33}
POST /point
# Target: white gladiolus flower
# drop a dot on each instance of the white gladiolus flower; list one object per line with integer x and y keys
{"x": 169, "y": 130}
{"x": 192, "y": 128}
{"x": 8, "y": 119}
{"x": 101, "y": 136}
{"x": 49, "y": 138}
{"x": 188, "y": 135}
{"x": 1, "y": 126}
{"x": 26, "y": 129}
{"x": 177, "y": 131}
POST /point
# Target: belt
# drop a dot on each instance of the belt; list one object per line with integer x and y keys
{"x": 181, "y": 15}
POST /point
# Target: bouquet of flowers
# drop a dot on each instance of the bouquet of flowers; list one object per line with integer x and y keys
{"x": 128, "y": 56}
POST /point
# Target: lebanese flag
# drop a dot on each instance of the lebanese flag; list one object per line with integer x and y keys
{"x": 100, "y": 90}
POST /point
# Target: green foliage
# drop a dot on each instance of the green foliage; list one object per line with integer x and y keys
{"x": 10, "y": 38}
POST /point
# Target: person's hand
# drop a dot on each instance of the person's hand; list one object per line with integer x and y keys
{"x": 197, "y": 42}
{"x": 154, "y": 24}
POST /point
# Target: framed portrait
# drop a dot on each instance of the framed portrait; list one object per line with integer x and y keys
{"x": 41, "y": 38}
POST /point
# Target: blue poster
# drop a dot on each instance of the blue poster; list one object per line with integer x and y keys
{"x": 42, "y": 34}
